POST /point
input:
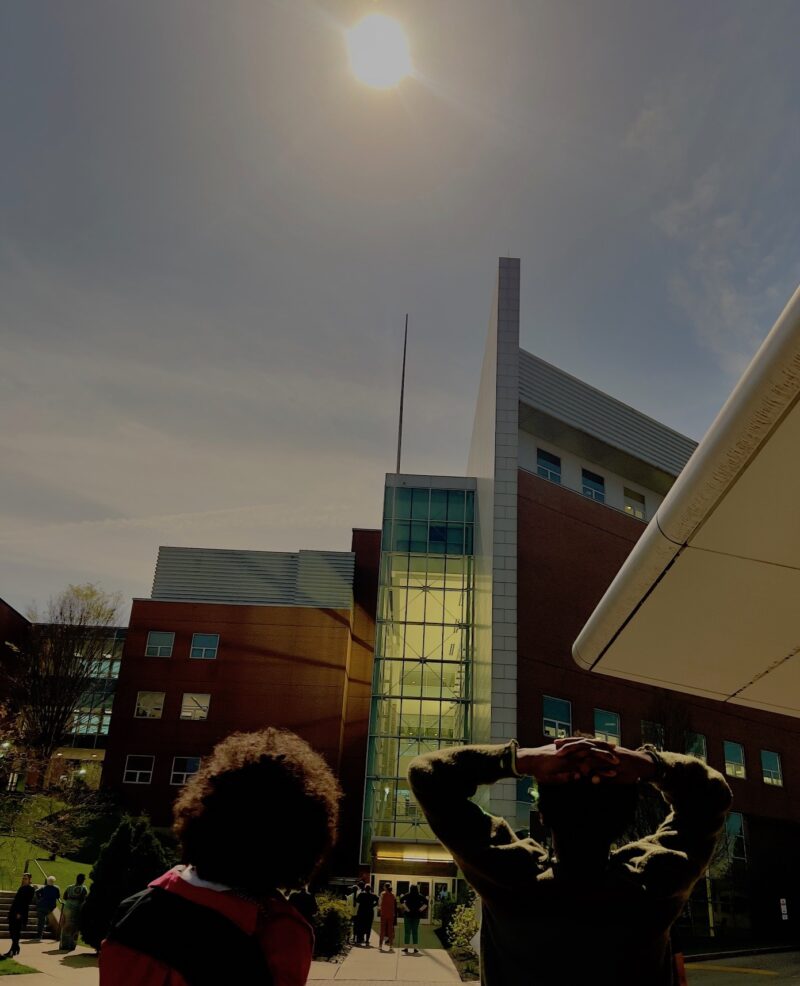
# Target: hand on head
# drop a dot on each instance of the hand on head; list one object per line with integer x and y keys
{"x": 575, "y": 758}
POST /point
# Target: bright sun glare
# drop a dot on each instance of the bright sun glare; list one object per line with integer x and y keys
{"x": 378, "y": 49}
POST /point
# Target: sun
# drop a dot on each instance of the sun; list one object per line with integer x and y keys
{"x": 378, "y": 49}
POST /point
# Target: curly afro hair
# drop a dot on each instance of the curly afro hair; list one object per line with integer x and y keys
{"x": 260, "y": 813}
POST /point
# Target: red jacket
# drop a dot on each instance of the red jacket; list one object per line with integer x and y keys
{"x": 285, "y": 936}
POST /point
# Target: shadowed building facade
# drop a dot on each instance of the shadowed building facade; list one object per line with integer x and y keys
{"x": 238, "y": 640}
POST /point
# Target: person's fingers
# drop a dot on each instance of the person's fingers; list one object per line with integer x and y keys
{"x": 586, "y": 752}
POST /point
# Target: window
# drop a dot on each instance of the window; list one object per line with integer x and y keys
{"x": 634, "y": 503}
{"x": 195, "y": 706}
{"x": 138, "y": 769}
{"x": 159, "y": 644}
{"x": 606, "y": 726}
{"x": 653, "y": 733}
{"x": 734, "y": 830}
{"x": 183, "y": 768}
{"x": 734, "y": 759}
{"x": 696, "y": 745}
{"x": 556, "y": 717}
{"x": 204, "y": 645}
{"x": 548, "y": 466}
{"x": 593, "y": 486}
{"x": 149, "y": 705}
{"x": 771, "y": 768}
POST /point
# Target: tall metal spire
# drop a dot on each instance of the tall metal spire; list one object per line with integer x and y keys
{"x": 402, "y": 396}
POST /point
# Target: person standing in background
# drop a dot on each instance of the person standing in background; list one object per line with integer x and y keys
{"x": 72, "y": 904}
{"x": 305, "y": 902}
{"x": 365, "y": 915}
{"x": 45, "y": 898}
{"x": 18, "y": 914}
{"x": 414, "y": 907}
{"x": 388, "y": 912}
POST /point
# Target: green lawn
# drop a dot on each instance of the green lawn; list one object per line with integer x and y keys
{"x": 8, "y": 967}
{"x": 14, "y": 852}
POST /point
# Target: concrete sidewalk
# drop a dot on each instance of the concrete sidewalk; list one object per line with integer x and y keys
{"x": 368, "y": 965}
{"x": 78, "y": 968}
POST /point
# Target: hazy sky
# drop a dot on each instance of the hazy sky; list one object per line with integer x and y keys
{"x": 210, "y": 233}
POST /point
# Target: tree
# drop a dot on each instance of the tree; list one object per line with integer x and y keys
{"x": 49, "y": 673}
{"x": 127, "y": 863}
{"x": 671, "y": 724}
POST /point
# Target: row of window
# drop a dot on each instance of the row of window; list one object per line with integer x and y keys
{"x": 593, "y": 485}
{"x": 161, "y": 642}
{"x": 139, "y": 769}
{"x": 557, "y": 723}
{"x": 150, "y": 705}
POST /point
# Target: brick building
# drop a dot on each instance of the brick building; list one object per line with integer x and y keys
{"x": 236, "y": 640}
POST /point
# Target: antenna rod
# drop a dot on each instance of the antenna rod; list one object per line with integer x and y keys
{"x": 402, "y": 396}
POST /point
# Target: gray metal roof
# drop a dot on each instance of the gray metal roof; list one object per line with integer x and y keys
{"x": 564, "y": 397}
{"x": 260, "y": 578}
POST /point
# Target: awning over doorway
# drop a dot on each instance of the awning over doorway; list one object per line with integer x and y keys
{"x": 708, "y": 602}
{"x": 398, "y": 856}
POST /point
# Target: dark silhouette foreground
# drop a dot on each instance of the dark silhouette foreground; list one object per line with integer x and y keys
{"x": 591, "y": 915}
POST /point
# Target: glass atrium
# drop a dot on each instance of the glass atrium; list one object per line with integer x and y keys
{"x": 421, "y": 693}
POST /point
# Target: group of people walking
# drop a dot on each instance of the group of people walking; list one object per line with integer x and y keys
{"x": 412, "y": 906}
{"x": 44, "y": 900}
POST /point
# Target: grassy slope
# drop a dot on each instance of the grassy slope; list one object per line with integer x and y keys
{"x": 14, "y": 852}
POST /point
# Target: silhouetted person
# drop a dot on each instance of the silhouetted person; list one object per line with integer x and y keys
{"x": 592, "y": 915}
{"x": 222, "y": 918}
{"x": 18, "y": 914}
{"x": 366, "y": 902}
{"x": 305, "y": 902}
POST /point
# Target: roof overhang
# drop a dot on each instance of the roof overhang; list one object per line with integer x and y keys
{"x": 708, "y": 602}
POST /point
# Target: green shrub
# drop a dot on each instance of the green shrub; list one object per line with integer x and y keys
{"x": 332, "y": 924}
{"x": 463, "y": 926}
{"x": 130, "y": 859}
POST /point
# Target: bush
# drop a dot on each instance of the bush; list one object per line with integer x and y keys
{"x": 445, "y": 909}
{"x": 332, "y": 924}
{"x": 463, "y": 926}
{"x": 130, "y": 859}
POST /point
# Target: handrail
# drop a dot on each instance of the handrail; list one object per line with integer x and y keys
{"x": 42, "y": 871}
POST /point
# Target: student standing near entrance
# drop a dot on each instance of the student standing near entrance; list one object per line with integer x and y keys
{"x": 388, "y": 911}
{"x": 366, "y": 902}
{"x": 414, "y": 908}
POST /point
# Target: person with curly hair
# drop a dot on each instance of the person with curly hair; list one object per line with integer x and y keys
{"x": 258, "y": 818}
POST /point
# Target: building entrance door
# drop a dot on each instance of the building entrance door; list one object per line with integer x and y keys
{"x": 431, "y": 889}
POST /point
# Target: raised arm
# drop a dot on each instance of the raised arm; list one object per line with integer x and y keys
{"x": 676, "y": 855}
{"x": 483, "y": 845}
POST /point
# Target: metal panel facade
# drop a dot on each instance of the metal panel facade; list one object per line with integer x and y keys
{"x": 574, "y": 402}
{"x": 266, "y": 578}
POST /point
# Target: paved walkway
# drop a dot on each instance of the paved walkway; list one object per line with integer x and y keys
{"x": 368, "y": 965}
{"x": 78, "y": 968}
{"x": 363, "y": 965}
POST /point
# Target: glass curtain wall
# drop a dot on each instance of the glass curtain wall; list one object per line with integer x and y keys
{"x": 422, "y": 689}
{"x": 91, "y": 719}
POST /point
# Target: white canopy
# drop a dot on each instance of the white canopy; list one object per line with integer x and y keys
{"x": 708, "y": 602}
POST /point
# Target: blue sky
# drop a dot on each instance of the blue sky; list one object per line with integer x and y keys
{"x": 210, "y": 233}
